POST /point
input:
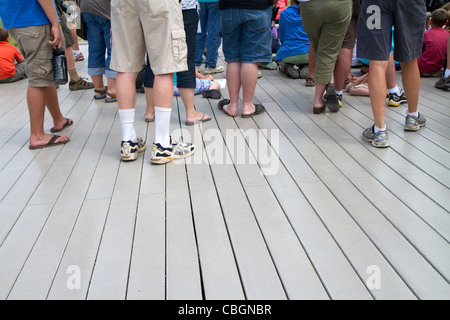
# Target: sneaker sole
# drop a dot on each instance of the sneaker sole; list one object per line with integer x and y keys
{"x": 332, "y": 101}
{"x": 375, "y": 144}
{"x": 162, "y": 160}
{"x": 415, "y": 128}
{"x": 395, "y": 104}
{"x": 380, "y": 145}
{"x": 186, "y": 155}
{"x": 130, "y": 158}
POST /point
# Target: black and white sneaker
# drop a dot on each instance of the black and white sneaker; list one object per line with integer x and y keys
{"x": 129, "y": 150}
{"x": 177, "y": 150}
{"x": 396, "y": 100}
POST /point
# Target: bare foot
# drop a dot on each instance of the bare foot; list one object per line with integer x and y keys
{"x": 58, "y": 125}
{"x": 232, "y": 112}
{"x": 198, "y": 116}
{"x": 149, "y": 117}
{"x": 45, "y": 139}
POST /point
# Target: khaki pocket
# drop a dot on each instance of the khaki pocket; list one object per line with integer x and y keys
{"x": 157, "y": 9}
{"x": 179, "y": 45}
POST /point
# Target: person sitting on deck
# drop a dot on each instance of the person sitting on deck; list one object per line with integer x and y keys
{"x": 434, "y": 47}
{"x": 294, "y": 42}
{"x": 9, "y": 70}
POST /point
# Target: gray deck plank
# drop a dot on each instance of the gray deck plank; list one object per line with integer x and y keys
{"x": 220, "y": 280}
{"x": 444, "y": 245}
{"x": 328, "y": 208}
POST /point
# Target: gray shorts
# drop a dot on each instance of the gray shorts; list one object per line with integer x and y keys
{"x": 376, "y": 19}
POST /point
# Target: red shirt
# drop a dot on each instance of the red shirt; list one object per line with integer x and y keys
{"x": 434, "y": 50}
{"x": 283, "y": 5}
{"x": 8, "y": 53}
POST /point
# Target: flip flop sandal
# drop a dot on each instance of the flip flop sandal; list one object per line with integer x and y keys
{"x": 202, "y": 119}
{"x": 112, "y": 97}
{"x": 259, "y": 108}
{"x": 150, "y": 120}
{"x": 101, "y": 93}
{"x": 319, "y": 109}
{"x": 309, "y": 82}
{"x": 67, "y": 124}
{"x": 50, "y": 143}
{"x": 222, "y": 103}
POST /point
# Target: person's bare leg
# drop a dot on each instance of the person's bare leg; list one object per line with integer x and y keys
{"x": 52, "y": 104}
{"x": 150, "y": 110}
{"x": 214, "y": 85}
{"x": 318, "y": 94}
{"x": 36, "y": 99}
{"x": 163, "y": 90}
{"x": 249, "y": 77}
{"x": 69, "y": 57}
{"x": 377, "y": 89}
{"x": 233, "y": 76}
{"x": 311, "y": 62}
{"x": 411, "y": 84}
{"x": 111, "y": 83}
{"x": 342, "y": 68}
{"x": 75, "y": 45}
{"x": 391, "y": 75}
{"x": 187, "y": 95}
{"x": 98, "y": 83}
{"x": 126, "y": 89}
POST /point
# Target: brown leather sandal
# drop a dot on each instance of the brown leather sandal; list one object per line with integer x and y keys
{"x": 101, "y": 93}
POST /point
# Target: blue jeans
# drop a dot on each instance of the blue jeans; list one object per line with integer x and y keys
{"x": 98, "y": 31}
{"x": 210, "y": 35}
{"x": 247, "y": 35}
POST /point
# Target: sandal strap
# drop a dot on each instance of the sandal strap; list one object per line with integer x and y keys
{"x": 104, "y": 91}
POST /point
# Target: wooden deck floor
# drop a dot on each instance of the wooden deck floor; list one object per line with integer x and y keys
{"x": 287, "y": 205}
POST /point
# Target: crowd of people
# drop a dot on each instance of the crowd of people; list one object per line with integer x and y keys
{"x": 310, "y": 39}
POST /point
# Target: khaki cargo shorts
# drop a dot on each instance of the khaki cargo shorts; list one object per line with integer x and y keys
{"x": 37, "y": 52}
{"x": 148, "y": 26}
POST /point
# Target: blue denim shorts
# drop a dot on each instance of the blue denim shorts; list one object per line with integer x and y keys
{"x": 247, "y": 35}
{"x": 98, "y": 31}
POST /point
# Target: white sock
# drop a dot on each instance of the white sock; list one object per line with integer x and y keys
{"x": 162, "y": 126}
{"x": 376, "y": 129}
{"x": 76, "y": 51}
{"x": 127, "y": 120}
{"x": 414, "y": 114}
{"x": 447, "y": 73}
{"x": 338, "y": 92}
{"x": 395, "y": 90}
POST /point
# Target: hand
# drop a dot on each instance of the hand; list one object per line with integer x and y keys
{"x": 56, "y": 33}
